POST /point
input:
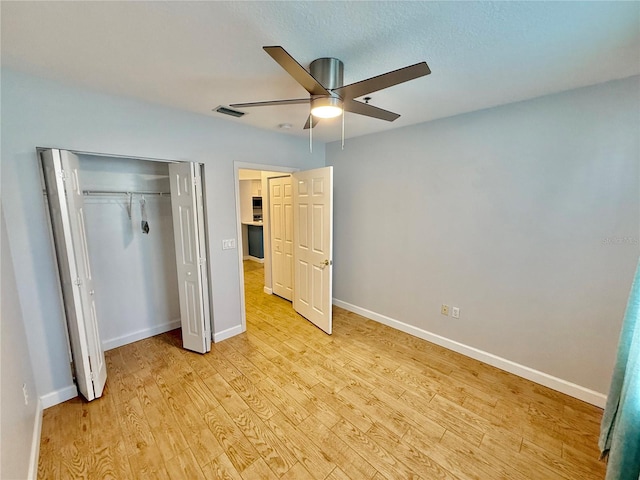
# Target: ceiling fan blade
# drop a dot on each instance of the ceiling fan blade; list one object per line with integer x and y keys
{"x": 315, "y": 122}
{"x": 296, "y": 70}
{"x": 385, "y": 80}
{"x": 360, "y": 108}
{"x": 268, "y": 103}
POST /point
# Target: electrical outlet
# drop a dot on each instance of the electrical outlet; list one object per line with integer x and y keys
{"x": 455, "y": 312}
{"x": 26, "y": 395}
{"x": 444, "y": 309}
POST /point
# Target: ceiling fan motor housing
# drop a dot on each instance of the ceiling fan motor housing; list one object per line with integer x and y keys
{"x": 329, "y": 72}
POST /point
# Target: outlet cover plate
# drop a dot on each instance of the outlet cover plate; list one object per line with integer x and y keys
{"x": 229, "y": 244}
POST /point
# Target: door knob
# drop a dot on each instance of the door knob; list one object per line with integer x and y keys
{"x": 325, "y": 263}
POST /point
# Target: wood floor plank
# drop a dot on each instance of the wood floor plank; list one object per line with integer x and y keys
{"x": 285, "y": 400}
{"x": 239, "y": 450}
{"x": 184, "y": 465}
{"x": 225, "y": 395}
{"x": 203, "y": 444}
{"x": 299, "y": 444}
{"x": 199, "y": 394}
{"x": 166, "y": 431}
{"x": 147, "y": 463}
{"x": 337, "y": 450}
{"x": 273, "y": 452}
{"x": 253, "y": 397}
{"x": 221, "y": 468}
{"x": 568, "y": 469}
{"x": 136, "y": 430}
{"x": 529, "y": 469}
{"x": 411, "y": 456}
{"x": 297, "y": 472}
{"x": 443, "y": 417}
{"x": 382, "y": 460}
{"x": 259, "y": 469}
{"x": 343, "y": 407}
{"x": 486, "y": 466}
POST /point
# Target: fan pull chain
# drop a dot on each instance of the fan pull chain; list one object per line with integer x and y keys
{"x": 343, "y": 129}
{"x": 310, "y": 133}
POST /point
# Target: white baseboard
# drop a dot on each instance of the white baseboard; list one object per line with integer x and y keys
{"x": 58, "y": 396}
{"x": 253, "y": 259}
{"x": 35, "y": 443}
{"x": 228, "y": 333}
{"x": 139, "y": 335}
{"x": 590, "y": 396}
{"x": 268, "y": 290}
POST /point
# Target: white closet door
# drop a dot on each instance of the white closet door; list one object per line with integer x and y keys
{"x": 66, "y": 208}
{"x": 188, "y": 230}
{"x": 281, "y": 219}
{"x": 313, "y": 245}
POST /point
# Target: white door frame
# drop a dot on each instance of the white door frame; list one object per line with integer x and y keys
{"x": 266, "y": 218}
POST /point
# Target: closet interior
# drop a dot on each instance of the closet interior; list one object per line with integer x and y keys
{"x": 130, "y": 236}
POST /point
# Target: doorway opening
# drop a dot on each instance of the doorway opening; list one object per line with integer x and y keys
{"x": 297, "y": 223}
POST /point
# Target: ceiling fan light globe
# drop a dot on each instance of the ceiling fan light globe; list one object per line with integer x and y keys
{"x": 326, "y": 112}
{"x": 326, "y": 107}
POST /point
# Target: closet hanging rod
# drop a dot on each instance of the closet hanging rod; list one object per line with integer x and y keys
{"x": 131, "y": 192}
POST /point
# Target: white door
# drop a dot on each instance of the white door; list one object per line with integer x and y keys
{"x": 281, "y": 219}
{"x": 188, "y": 230}
{"x": 66, "y": 207}
{"x": 313, "y": 245}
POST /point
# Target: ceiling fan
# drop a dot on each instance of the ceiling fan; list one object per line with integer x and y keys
{"x": 328, "y": 97}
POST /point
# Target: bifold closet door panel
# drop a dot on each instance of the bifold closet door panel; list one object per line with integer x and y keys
{"x": 188, "y": 227}
{"x": 67, "y": 212}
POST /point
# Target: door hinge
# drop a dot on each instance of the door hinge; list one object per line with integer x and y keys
{"x": 202, "y": 261}
{"x": 62, "y": 174}
{"x": 91, "y": 374}
{"x": 77, "y": 281}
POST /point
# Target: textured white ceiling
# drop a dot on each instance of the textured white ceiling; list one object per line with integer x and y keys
{"x": 198, "y": 55}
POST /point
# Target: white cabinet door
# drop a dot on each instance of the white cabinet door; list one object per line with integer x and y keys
{"x": 256, "y": 188}
{"x": 281, "y": 223}
{"x": 313, "y": 245}
{"x": 188, "y": 230}
{"x": 66, "y": 207}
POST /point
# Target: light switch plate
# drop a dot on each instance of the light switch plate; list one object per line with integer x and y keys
{"x": 229, "y": 244}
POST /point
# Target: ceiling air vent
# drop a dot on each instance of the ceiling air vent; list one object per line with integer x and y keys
{"x": 228, "y": 111}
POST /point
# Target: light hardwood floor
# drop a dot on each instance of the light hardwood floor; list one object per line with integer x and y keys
{"x": 286, "y": 401}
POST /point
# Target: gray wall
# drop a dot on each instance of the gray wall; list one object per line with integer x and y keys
{"x": 38, "y": 112}
{"x": 17, "y": 419}
{"x": 526, "y": 216}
